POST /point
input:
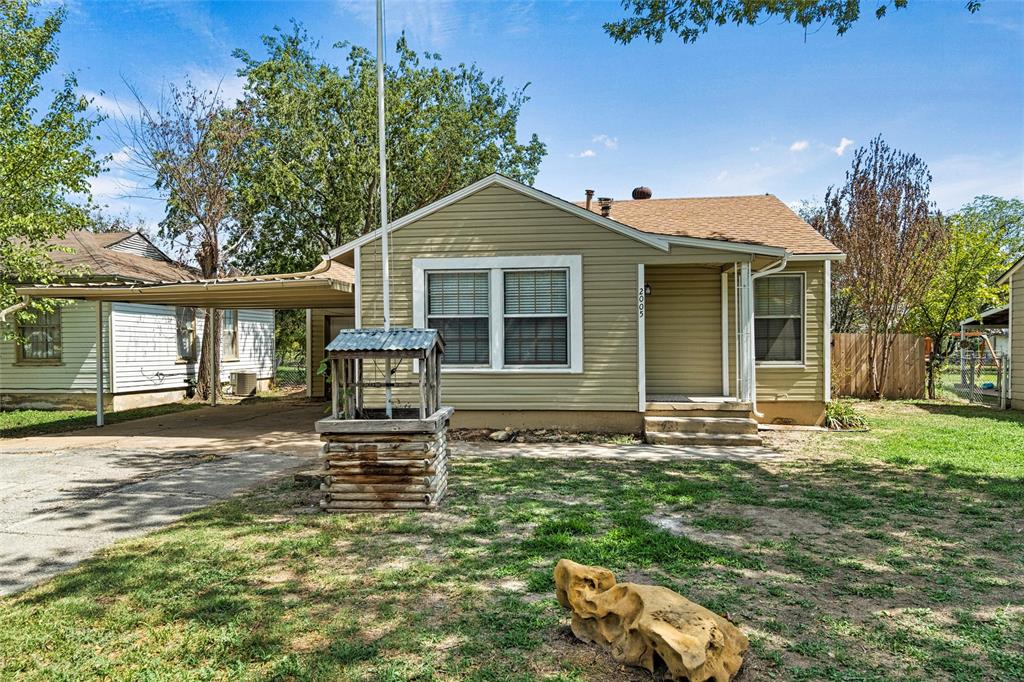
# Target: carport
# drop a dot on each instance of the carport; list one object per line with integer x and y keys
{"x": 328, "y": 285}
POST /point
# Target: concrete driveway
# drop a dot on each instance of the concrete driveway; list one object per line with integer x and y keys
{"x": 62, "y": 497}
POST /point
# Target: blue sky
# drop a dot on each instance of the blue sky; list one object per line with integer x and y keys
{"x": 743, "y": 111}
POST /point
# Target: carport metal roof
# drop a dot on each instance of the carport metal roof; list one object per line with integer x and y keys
{"x": 327, "y": 285}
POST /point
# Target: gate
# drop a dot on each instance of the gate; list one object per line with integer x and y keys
{"x": 978, "y": 377}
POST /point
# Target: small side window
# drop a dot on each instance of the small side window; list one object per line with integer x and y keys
{"x": 39, "y": 339}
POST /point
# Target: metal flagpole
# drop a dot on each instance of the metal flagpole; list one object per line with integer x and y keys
{"x": 383, "y": 197}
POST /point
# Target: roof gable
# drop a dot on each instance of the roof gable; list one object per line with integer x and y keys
{"x": 97, "y": 254}
{"x": 1005, "y": 277}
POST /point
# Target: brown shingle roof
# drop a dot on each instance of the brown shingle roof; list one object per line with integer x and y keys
{"x": 92, "y": 257}
{"x": 758, "y": 219}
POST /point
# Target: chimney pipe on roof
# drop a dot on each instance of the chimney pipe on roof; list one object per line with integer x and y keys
{"x": 590, "y": 197}
{"x": 606, "y": 205}
{"x": 640, "y": 193}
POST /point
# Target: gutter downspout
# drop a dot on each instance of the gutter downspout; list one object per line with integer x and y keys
{"x": 777, "y": 266}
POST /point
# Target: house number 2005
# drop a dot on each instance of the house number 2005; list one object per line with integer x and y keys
{"x": 640, "y": 301}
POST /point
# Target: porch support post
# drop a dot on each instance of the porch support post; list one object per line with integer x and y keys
{"x": 827, "y": 334}
{"x": 641, "y": 338}
{"x": 725, "y": 333}
{"x": 745, "y": 342}
{"x": 99, "y": 363}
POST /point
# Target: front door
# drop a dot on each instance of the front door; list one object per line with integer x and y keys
{"x": 683, "y": 331}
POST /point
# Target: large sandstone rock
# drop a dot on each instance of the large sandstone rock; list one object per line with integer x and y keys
{"x": 642, "y": 624}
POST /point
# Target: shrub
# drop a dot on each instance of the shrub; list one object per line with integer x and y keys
{"x": 841, "y": 415}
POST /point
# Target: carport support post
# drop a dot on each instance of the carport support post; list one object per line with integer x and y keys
{"x": 99, "y": 363}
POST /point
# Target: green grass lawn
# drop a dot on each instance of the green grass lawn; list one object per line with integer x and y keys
{"x": 894, "y": 554}
{"x": 20, "y": 423}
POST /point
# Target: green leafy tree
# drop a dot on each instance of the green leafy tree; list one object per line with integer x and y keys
{"x": 308, "y": 178}
{"x": 46, "y": 157}
{"x": 690, "y": 19}
{"x": 983, "y": 238}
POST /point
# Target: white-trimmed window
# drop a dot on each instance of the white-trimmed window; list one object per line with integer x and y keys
{"x": 229, "y": 335}
{"x": 459, "y": 306}
{"x": 536, "y": 317}
{"x": 39, "y": 340}
{"x": 509, "y": 314}
{"x": 185, "y": 326}
{"x": 779, "y": 319}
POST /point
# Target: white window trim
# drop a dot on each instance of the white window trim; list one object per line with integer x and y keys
{"x": 787, "y": 364}
{"x": 496, "y": 266}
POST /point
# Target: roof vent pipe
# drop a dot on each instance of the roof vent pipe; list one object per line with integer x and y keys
{"x": 590, "y": 197}
{"x": 606, "y": 205}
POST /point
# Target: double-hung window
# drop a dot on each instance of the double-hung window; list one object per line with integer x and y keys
{"x": 458, "y": 306}
{"x": 536, "y": 310}
{"x": 185, "y": 326}
{"x": 39, "y": 340}
{"x": 779, "y": 319}
{"x": 229, "y": 335}
{"x": 506, "y": 313}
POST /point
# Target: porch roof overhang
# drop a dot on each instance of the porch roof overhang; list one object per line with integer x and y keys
{"x": 994, "y": 318}
{"x": 329, "y": 284}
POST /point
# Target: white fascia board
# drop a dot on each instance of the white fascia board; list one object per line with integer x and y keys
{"x": 508, "y": 183}
{"x": 1006, "y": 276}
{"x": 817, "y": 256}
{"x": 721, "y": 245}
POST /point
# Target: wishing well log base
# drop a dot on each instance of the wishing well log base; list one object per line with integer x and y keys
{"x": 384, "y": 464}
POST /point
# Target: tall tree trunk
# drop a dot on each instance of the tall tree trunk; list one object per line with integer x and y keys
{"x": 210, "y": 333}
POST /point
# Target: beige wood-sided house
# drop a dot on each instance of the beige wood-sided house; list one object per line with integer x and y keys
{"x": 1014, "y": 278}
{"x": 608, "y": 315}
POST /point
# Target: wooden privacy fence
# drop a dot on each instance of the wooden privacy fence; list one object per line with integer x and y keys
{"x": 851, "y": 373}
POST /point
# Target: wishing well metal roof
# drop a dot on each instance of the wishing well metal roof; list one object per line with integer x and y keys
{"x": 380, "y": 340}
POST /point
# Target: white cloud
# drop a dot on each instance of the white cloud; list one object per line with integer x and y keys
{"x": 722, "y": 176}
{"x": 121, "y": 157}
{"x": 799, "y": 146}
{"x": 843, "y": 144}
{"x": 959, "y": 178}
{"x": 112, "y": 106}
{"x": 608, "y": 141}
{"x": 585, "y": 154}
{"x": 755, "y": 149}
{"x": 226, "y": 83}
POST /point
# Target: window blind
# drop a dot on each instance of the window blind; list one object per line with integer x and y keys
{"x": 458, "y": 306}
{"x": 536, "y": 317}
{"x": 778, "y": 319}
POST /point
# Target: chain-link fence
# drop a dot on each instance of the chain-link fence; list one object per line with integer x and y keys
{"x": 976, "y": 376}
{"x": 290, "y": 372}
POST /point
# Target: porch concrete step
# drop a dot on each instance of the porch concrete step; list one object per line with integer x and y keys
{"x": 701, "y": 438}
{"x": 660, "y": 424}
{"x": 723, "y": 409}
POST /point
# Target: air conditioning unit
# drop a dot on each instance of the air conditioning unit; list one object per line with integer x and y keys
{"x": 243, "y": 383}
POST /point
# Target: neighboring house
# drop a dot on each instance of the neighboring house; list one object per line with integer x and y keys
{"x": 608, "y": 315}
{"x": 1014, "y": 278}
{"x": 151, "y": 351}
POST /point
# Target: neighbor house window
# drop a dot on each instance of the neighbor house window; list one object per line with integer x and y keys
{"x": 779, "y": 319}
{"x": 185, "y": 323}
{"x": 229, "y": 335}
{"x": 39, "y": 340}
{"x": 458, "y": 306}
{"x": 536, "y": 317}
{"x": 503, "y": 313}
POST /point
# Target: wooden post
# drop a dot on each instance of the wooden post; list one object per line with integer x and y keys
{"x": 334, "y": 388}
{"x": 437, "y": 381}
{"x": 424, "y": 370}
{"x": 99, "y": 363}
